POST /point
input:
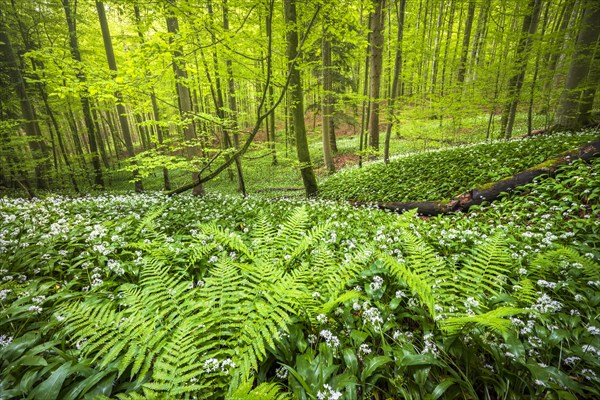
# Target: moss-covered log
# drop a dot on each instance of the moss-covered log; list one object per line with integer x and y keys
{"x": 492, "y": 191}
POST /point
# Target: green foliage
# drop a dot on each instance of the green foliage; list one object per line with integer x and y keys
{"x": 145, "y": 296}
{"x": 443, "y": 174}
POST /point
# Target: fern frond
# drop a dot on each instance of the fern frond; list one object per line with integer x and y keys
{"x": 527, "y": 292}
{"x": 484, "y": 271}
{"x": 337, "y": 276}
{"x": 264, "y": 391}
{"x": 418, "y": 282}
{"x": 228, "y": 239}
{"x": 565, "y": 259}
{"x": 494, "y": 319}
{"x": 290, "y": 233}
{"x": 429, "y": 266}
{"x": 148, "y": 221}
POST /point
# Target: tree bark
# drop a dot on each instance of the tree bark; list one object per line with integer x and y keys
{"x": 376, "y": 46}
{"x": 31, "y": 126}
{"x": 85, "y": 103}
{"x": 112, "y": 64}
{"x": 515, "y": 83}
{"x": 466, "y": 40}
{"x": 327, "y": 113}
{"x": 233, "y": 107}
{"x": 395, "y": 83}
{"x": 183, "y": 93}
{"x": 297, "y": 100}
{"x": 569, "y": 115}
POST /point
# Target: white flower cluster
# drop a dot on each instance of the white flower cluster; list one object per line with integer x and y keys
{"x": 593, "y": 330}
{"x": 471, "y": 305}
{"x": 429, "y": 345}
{"x": 5, "y": 340}
{"x": 377, "y": 283}
{"x": 571, "y": 360}
{"x": 322, "y": 319}
{"x": 546, "y": 284}
{"x": 4, "y": 293}
{"x": 281, "y": 372}
{"x": 213, "y": 365}
{"x": 328, "y": 393}
{"x": 363, "y": 350}
{"x": 545, "y": 304}
{"x": 331, "y": 340}
{"x": 373, "y": 317}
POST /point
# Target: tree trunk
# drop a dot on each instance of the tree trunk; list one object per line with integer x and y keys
{"x": 466, "y": 40}
{"x": 232, "y": 101}
{"x": 32, "y": 128}
{"x": 395, "y": 83}
{"x": 516, "y": 81}
{"x": 569, "y": 115}
{"x": 376, "y": 46}
{"x": 183, "y": 93}
{"x": 327, "y": 116}
{"x": 297, "y": 100}
{"x": 112, "y": 64}
{"x": 85, "y": 103}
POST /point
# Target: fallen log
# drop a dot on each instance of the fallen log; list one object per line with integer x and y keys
{"x": 492, "y": 191}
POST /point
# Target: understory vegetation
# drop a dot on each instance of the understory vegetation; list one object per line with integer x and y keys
{"x": 445, "y": 173}
{"x": 148, "y": 296}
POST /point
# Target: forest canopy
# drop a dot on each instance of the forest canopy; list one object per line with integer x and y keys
{"x": 93, "y": 89}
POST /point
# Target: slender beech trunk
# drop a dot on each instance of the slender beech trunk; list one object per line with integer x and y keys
{"x": 535, "y": 74}
{"x": 183, "y": 93}
{"x": 395, "y": 84}
{"x": 376, "y": 46}
{"x": 297, "y": 100}
{"x": 364, "y": 124}
{"x": 466, "y": 40}
{"x": 70, "y": 13}
{"x": 327, "y": 100}
{"x": 515, "y": 83}
{"x": 160, "y": 130}
{"x": 447, "y": 48}
{"x": 112, "y": 64}
{"x": 233, "y": 107}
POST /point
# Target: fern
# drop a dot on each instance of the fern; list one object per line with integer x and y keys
{"x": 494, "y": 319}
{"x": 567, "y": 260}
{"x": 437, "y": 284}
{"x": 526, "y": 292}
{"x": 264, "y": 391}
{"x": 484, "y": 271}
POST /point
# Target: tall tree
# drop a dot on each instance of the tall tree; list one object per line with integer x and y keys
{"x": 327, "y": 106}
{"x": 70, "y": 15}
{"x": 466, "y": 40}
{"x": 112, "y": 64}
{"x": 183, "y": 92}
{"x": 32, "y": 129}
{"x": 376, "y": 24}
{"x": 515, "y": 84}
{"x": 572, "y": 100}
{"x": 297, "y": 99}
{"x": 233, "y": 107}
{"x": 395, "y": 81}
{"x": 161, "y": 132}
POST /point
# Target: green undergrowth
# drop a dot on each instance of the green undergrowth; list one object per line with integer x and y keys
{"x": 443, "y": 174}
{"x": 144, "y": 296}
